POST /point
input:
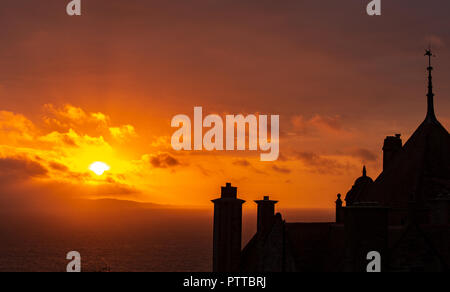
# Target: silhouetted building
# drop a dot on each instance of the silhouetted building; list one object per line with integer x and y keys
{"x": 391, "y": 148}
{"x": 339, "y": 210}
{"x": 361, "y": 185}
{"x": 266, "y": 215}
{"x": 404, "y": 215}
{"x": 227, "y": 230}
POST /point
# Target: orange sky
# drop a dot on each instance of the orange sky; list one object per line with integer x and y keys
{"x": 105, "y": 86}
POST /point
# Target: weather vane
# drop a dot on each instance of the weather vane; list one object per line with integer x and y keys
{"x": 429, "y": 54}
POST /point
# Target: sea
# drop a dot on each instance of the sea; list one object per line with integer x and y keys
{"x": 153, "y": 240}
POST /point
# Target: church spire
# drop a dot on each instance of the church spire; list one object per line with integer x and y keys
{"x": 364, "y": 171}
{"x": 430, "y": 113}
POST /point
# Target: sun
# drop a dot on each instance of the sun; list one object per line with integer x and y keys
{"x": 99, "y": 167}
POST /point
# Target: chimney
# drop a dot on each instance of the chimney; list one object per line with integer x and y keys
{"x": 266, "y": 215}
{"x": 339, "y": 210}
{"x": 392, "y": 146}
{"x": 227, "y": 231}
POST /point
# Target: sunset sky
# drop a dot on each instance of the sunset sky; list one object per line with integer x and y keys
{"x": 104, "y": 87}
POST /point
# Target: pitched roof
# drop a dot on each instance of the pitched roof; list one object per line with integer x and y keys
{"x": 420, "y": 172}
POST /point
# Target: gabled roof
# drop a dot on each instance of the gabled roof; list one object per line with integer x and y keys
{"x": 420, "y": 172}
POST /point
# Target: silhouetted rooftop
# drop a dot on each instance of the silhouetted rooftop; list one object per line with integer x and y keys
{"x": 421, "y": 171}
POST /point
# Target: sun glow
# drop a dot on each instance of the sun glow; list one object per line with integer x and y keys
{"x": 99, "y": 167}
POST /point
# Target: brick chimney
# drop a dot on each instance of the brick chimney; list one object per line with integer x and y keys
{"x": 227, "y": 231}
{"x": 266, "y": 214}
{"x": 339, "y": 210}
{"x": 392, "y": 146}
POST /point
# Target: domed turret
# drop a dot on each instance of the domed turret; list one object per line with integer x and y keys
{"x": 361, "y": 185}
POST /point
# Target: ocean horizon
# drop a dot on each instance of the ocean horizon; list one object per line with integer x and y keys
{"x": 153, "y": 240}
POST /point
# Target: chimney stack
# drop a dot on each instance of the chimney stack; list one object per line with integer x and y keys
{"x": 339, "y": 210}
{"x": 227, "y": 231}
{"x": 266, "y": 215}
{"x": 392, "y": 146}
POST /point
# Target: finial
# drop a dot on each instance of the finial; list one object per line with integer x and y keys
{"x": 339, "y": 201}
{"x": 364, "y": 171}
{"x": 429, "y": 54}
{"x": 431, "y": 116}
{"x": 228, "y": 191}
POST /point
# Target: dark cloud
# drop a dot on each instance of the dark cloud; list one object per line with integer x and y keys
{"x": 322, "y": 165}
{"x": 245, "y": 163}
{"x": 333, "y": 123}
{"x": 242, "y": 162}
{"x": 164, "y": 160}
{"x": 283, "y": 157}
{"x": 204, "y": 171}
{"x": 317, "y": 124}
{"x": 365, "y": 154}
{"x": 58, "y": 166}
{"x": 114, "y": 189}
{"x": 80, "y": 176}
{"x": 281, "y": 169}
{"x": 20, "y": 168}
